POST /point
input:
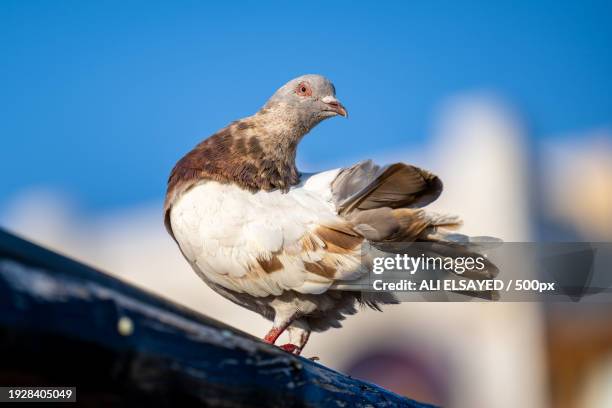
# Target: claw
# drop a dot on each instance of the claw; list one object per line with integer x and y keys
{"x": 291, "y": 348}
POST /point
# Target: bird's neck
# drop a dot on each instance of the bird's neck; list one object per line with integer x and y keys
{"x": 279, "y": 131}
{"x": 255, "y": 153}
{"x": 282, "y": 128}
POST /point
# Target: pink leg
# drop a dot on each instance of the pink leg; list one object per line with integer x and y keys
{"x": 282, "y": 320}
{"x": 299, "y": 332}
{"x": 274, "y": 334}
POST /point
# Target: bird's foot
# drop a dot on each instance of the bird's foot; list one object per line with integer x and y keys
{"x": 291, "y": 348}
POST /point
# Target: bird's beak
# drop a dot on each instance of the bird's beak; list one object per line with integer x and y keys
{"x": 334, "y": 105}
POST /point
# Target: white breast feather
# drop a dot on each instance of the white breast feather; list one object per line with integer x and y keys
{"x": 222, "y": 229}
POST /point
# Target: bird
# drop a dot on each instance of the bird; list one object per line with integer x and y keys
{"x": 286, "y": 244}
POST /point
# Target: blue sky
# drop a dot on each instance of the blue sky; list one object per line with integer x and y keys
{"x": 100, "y": 98}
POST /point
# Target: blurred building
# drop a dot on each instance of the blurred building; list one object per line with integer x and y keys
{"x": 576, "y": 184}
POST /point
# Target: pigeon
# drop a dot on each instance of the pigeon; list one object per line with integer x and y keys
{"x": 285, "y": 244}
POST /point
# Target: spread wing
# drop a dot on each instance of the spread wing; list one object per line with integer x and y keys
{"x": 366, "y": 186}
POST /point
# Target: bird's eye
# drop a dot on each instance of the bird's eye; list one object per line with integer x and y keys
{"x": 303, "y": 89}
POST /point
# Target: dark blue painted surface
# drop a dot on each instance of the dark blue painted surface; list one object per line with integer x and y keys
{"x": 59, "y": 325}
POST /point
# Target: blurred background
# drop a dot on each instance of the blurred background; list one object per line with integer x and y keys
{"x": 510, "y": 103}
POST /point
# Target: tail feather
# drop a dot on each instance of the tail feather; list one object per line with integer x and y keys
{"x": 432, "y": 235}
{"x": 384, "y": 205}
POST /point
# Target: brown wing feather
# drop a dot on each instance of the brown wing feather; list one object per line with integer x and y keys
{"x": 366, "y": 186}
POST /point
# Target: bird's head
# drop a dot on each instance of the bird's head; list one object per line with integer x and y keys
{"x": 309, "y": 98}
